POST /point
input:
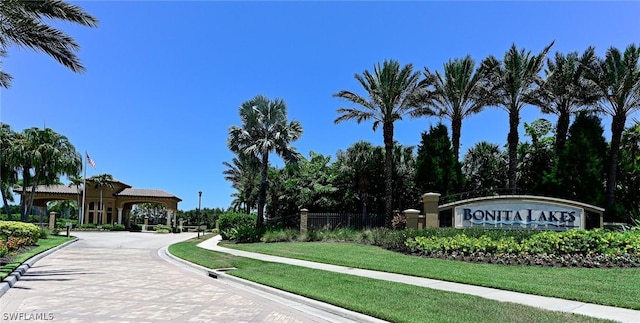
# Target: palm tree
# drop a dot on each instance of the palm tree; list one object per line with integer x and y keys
{"x": 23, "y": 23}
{"x": 101, "y": 181}
{"x": 617, "y": 80}
{"x": 483, "y": 166}
{"x": 77, "y": 181}
{"x": 8, "y": 173}
{"x": 565, "y": 92}
{"x": 511, "y": 84}
{"x": 264, "y": 130}
{"x": 46, "y": 153}
{"x": 242, "y": 172}
{"x": 457, "y": 95}
{"x": 359, "y": 162}
{"x": 392, "y": 93}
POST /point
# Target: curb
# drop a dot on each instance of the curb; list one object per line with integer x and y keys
{"x": 221, "y": 275}
{"x": 14, "y": 277}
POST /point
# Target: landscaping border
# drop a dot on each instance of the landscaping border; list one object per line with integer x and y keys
{"x": 14, "y": 277}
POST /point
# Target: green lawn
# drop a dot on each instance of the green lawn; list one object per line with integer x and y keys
{"x": 386, "y": 300}
{"x": 43, "y": 245}
{"x": 614, "y": 287}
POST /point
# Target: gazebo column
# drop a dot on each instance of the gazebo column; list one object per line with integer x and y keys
{"x": 168, "y": 218}
{"x": 119, "y": 215}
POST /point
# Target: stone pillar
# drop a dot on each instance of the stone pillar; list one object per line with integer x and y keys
{"x": 52, "y": 220}
{"x": 412, "y": 218}
{"x": 304, "y": 214}
{"x": 119, "y": 215}
{"x": 146, "y": 223}
{"x": 430, "y": 201}
{"x": 181, "y": 224}
{"x": 168, "y": 218}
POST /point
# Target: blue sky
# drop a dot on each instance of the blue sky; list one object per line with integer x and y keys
{"x": 165, "y": 79}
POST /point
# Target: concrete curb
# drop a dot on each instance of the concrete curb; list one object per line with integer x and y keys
{"x": 14, "y": 277}
{"x": 226, "y": 278}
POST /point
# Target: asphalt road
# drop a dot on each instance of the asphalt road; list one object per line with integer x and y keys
{"x": 119, "y": 277}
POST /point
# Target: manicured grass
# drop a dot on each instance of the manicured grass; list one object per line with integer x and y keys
{"x": 43, "y": 245}
{"x": 386, "y": 300}
{"x": 614, "y": 287}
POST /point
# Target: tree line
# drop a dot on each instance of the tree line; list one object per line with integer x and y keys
{"x": 564, "y": 85}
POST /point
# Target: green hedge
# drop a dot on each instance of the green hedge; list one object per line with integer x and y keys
{"x": 569, "y": 242}
{"x": 235, "y": 226}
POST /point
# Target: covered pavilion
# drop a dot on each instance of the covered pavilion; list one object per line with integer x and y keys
{"x": 117, "y": 200}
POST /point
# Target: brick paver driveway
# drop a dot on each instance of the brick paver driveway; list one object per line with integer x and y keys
{"x": 119, "y": 277}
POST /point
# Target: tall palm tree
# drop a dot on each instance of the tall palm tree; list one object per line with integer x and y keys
{"x": 617, "y": 79}
{"x": 392, "y": 93}
{"x": 24, "y": 23}
{"x": 265, "y": 129}
{"x": 457, "y": 94}
{"x": 565, "y": 92}
{"x": 101, "y": 181}
{"x": 511, "y": 84}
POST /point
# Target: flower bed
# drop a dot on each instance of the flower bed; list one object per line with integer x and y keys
{"x": 573, "y": 248}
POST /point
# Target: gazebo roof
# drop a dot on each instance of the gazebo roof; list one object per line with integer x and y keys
{"x": 52, "y": 189}
{"x": 136, "y": 192}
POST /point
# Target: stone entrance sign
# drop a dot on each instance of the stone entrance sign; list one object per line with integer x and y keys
{"x": 519, "y": 214}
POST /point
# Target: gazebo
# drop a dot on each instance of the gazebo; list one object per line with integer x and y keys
{"x": 117, "y": 200}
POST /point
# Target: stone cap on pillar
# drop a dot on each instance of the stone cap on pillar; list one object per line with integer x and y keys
{"x": 411, "y": 211}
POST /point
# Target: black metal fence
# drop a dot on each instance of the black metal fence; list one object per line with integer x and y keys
{"x": 332, "y": 221}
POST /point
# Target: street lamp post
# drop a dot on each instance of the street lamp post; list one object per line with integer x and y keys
{"x": 198, "y": 213}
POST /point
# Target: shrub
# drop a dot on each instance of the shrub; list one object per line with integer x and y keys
{"x": 136, "y": 228}
{"x": 20, "y": 230}
{"x": 44, "y": 233}
{"x": 4, "y": 250}
{"x": 571, "y": 242}
{"x": 230, "y": 223}
{"x": 107, "y": 227}
{"x": 162, "y": 229}
{"x": 118, "y": 227}
{"x": 281, "y": 235}
{"x": 15, "y": 243}
{"x": 62, "y": 222}
{"x": 88, "y": 226}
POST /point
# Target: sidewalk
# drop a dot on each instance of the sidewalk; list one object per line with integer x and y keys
{"x": 547, "y": 303}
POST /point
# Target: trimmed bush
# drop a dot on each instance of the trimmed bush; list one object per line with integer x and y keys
{"x": 16, "y": 229}
{"x": 230, "y": 223}
{"x": 594, "y": 248}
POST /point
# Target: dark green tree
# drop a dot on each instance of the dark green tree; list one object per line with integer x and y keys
{"x": 24, "y": 24}
{"x": 392, "y": 93}
{"x": 579, "y": 173}
{"x": 436, "y": 167}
